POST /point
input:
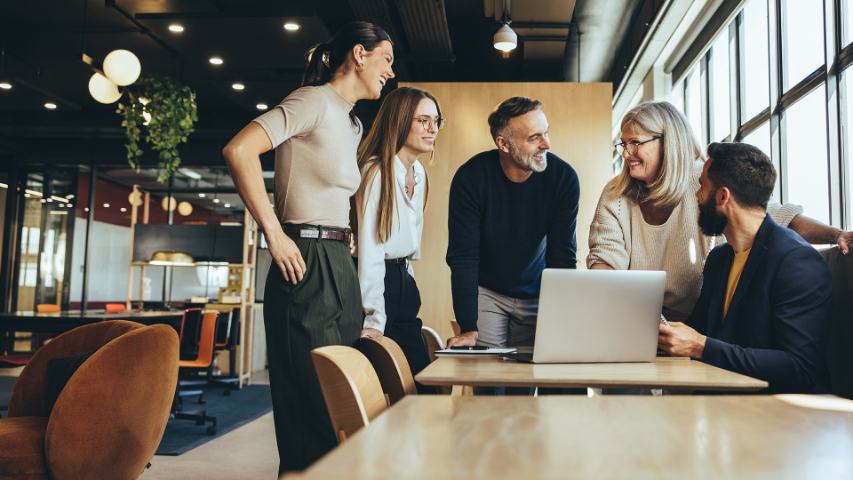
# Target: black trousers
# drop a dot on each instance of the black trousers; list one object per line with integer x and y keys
{"x": 323, "y": 309}
{"x": 402, "y": 303}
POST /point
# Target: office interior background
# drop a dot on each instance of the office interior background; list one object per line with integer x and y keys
{"x": 772, "y": 73}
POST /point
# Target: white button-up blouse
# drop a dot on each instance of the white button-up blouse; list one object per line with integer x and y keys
{"x": 405, "y": 239}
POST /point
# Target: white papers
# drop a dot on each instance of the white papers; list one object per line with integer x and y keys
{"x": 477, "y": 352}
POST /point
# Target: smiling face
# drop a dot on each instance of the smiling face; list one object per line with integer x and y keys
{"x": 422, "y": 140}
{"x": 643, "y": 161}
{"x": 376, "y": 70}
{"x": 527, "y": 141}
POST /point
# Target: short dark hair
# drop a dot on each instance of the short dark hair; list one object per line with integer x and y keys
{"x": 509, "y": 109}
{"x": 745, "y": 170}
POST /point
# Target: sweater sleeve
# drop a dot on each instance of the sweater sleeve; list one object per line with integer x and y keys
{"x": 463, "y": 250}
{"x": 783, "y": 213}
{"x": 562, "y": 245}
{"x": 609, "y": 233}
{"x": 297, "y": 114}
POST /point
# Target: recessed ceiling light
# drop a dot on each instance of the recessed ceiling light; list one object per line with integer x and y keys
{"x": 215, "y": 200}
{"x": 106, "y": 205}
{"x": 216, "y": 60}
{"x": 50, "y": 105}
{"x": 262, "y": 106}
{"x": 201, "y": 195}
{"x": 291, "y": 27}
{"x": 176, "y": 28}
{"x": 227, "y": 205}
{"x": 238, "y": 86}
{"x": 122, "y": 209}
{"x": 5, "y": 85}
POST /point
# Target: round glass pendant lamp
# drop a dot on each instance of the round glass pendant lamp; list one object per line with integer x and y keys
{"x": 102, "y": 89}
{"x": 122, "y": 67}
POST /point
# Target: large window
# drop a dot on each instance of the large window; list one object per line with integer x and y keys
{"x": 793, "y": 119}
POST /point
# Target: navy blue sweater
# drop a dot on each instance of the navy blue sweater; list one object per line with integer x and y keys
{"x": 503, "y": 234}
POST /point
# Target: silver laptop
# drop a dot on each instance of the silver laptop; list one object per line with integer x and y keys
{"x": 591, "y": 316}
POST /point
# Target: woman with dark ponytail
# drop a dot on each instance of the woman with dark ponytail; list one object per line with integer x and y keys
{"x": 312, "y": 297}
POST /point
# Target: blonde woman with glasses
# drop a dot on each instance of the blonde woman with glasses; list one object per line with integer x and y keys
{"x": 390, "y": 204}
{"x": 647, "y": 216}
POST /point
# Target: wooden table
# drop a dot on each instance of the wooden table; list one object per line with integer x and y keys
{"x": 434, "y": 437}
{"x": 666, "y": 373}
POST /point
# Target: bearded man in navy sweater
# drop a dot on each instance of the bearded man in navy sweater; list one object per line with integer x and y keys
{"x": 513, "y": 212}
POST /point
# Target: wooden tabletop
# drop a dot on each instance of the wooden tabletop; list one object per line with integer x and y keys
{"x": 432, "y": 436}
{"x": 29, "y": 321}
{"x": 666, "y": 373}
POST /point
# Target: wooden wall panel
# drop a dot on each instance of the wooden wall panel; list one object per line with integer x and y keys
{"x": 579, "y": 118}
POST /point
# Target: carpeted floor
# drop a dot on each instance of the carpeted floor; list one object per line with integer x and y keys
{"x": 232, "y": 411}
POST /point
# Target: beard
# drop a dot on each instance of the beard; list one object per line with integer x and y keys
{"x": 528, "y": 162}
{"x": 711, "y": 222}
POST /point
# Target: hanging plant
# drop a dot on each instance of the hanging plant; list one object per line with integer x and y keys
{"x": 161, "y": 112}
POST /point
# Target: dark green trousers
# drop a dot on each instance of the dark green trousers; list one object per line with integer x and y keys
{"x": 323, "y": 309}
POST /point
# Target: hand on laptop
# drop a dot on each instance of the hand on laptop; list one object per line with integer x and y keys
{"x": 467, "y": 339}
{"x": 679, "y": 340}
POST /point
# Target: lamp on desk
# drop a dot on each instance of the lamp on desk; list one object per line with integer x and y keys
{"x": 171, "y": 259}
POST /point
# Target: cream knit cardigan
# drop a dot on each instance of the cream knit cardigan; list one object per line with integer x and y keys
{"x": 620, "y": 238}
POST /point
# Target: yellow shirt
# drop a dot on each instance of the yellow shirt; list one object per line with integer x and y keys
{"x": 734, "y": 277}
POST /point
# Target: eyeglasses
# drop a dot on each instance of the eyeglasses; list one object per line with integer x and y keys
{"x": 632, "y": 147}
{"x": 427, "y": 122}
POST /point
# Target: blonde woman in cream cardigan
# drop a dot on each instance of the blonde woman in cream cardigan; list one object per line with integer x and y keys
{"x": 647, "y": 216}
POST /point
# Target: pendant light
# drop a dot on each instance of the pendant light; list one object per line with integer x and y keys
{"x": 505, "y": 38}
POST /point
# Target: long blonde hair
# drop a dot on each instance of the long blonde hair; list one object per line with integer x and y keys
{"x": 377, "y": 151}
{"x": 679, "y": 152}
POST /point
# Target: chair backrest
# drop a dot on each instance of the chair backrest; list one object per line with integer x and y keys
{"x": 115, "y": 307}
{"x": 840, "y": 344}
{"x": 391, "y": 365}
{"x": 116, "y": 405}
{"x": 207, "y": 338}
{"x": 47, "y": 308}
{"x": 454, "y": 325}
{"x": 190, "y": 333}
{"x": 432, "y": 340}
{"x": 223, "y": 329}
{"x": 350, "y": 387}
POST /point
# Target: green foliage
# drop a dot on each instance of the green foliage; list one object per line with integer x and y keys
{"x": 173, "y": 113}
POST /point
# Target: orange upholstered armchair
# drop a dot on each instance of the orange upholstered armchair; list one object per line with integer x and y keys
{"x": 108, "y": 419}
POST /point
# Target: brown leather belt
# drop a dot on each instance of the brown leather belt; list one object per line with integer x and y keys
{"x": 318, "y": 231}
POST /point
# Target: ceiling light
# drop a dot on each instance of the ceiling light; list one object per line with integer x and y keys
{"x": 103, "y": 89}
{"x": 106, "y": 205}
{"x": 185, "y": 208}
{"x": 189, "y": 173}
{"x": 201, "y": 195}
{"x": 238, "y": 86}
{"x": 505, "y": 39}
{"x": 122, "y": 67}
{"x": 122, "y": 209}
{"x": 50, "y": 105}
{"x": 5, "y": 85}
{"x": 227, "y": 205}
{"x": 169, "y": 204}
{"x": 262, "y": 106}
{"x": 216, "y": 60}
{"x": 215, "y": 200}
{"x": 176, "y": 28}
{"x": 34, "y": 193}
{"x": 291, "y": 27}
{"x": 3, "y": 185}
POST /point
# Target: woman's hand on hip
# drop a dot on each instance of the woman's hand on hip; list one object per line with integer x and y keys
{"x": 287, "y": 256}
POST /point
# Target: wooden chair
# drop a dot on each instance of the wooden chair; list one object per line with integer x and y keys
{"x": 432, "y": 340}
{"x": 391, "y": 365}
{"x": 457, "y": 330}
{"x": 47, "y": 308}
{"x": 350, "y": 387}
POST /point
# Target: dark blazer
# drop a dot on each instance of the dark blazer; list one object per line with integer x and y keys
{"x": 778, "y": 319}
